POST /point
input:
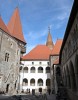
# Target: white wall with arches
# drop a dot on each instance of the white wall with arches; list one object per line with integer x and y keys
{"x": 38, "y": 72}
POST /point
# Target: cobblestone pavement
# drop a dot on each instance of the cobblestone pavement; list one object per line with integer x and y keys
{"x": 29, "y": 97}
{"x": 22, "y": 97}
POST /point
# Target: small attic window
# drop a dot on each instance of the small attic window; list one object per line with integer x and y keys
{"x": 32, "y": 62}
{"x": 11, "y": 45}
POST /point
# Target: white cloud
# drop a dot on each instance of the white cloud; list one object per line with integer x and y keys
{"x": 39, "y": 34}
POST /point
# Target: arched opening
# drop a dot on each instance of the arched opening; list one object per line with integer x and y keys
{"x": 68, "y": 77}
{"x": 32, "y": 82}
{"x": 72, "y": 76}
{"x": 40, "y": 70}
{"x": 32, "y": 69}
{"x": 25, "y": 82}
{"x": 65, "y": 78}
{"x": 48, "y": 82}
{"x": 76, "y": 64}
{"x": 25, "y": 69}
{"x": 58, "y": 71}
{"x": 47, "y": 69}
{"x": 76, "y": 71}
{"x": 20, "y": 69}
{"x": 40, "y": 82}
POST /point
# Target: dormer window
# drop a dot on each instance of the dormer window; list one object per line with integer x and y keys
{"x": 32, "y": 63}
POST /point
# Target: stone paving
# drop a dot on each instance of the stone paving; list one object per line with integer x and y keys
{"x": 28, "y": 97}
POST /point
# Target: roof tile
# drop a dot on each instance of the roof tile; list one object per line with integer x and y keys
{"x": 57, "y": 47}
{"x": 3, "y": 26}
{"x": 40, "y": 52}
{"x": 15, "y": 27}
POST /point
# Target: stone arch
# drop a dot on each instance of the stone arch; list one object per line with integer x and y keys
{"x": 65, "y": 78}
{"x": 76, "y": 71}
{"x": 47, "y": 69}
{"x": 68, "y": 77}
{"x": 25, "y": 82}
{"x": 48, "y": 82}
{"x": 40, "y": 69}
{"x": 40, "y": 82}
{"x": 32, "y": 69}
{"x": 76, "y": 64}
{"x": 72, "y": 76}
{"x": 58, "y": 70}
{"x": 25, "y": 69}
{"x": 32, "y": 82}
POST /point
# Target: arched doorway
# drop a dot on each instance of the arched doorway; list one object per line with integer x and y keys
{"x": 7, "y": 88}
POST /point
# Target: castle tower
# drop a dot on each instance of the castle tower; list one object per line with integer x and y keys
{"x": 49, "y": 42}
{"x": 15, "y": 27}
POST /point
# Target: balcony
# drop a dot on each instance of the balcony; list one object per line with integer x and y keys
{"x": 23, "y": 49}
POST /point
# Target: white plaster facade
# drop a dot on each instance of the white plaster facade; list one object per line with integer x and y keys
{"x": 36, "y": 76}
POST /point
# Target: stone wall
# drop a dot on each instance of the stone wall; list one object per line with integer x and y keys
{"x": 9, "y": 70}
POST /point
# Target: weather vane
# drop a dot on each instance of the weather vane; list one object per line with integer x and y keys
{"x": 49, "y": 29}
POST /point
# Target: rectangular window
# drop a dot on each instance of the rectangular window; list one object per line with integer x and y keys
{"x": 6, "y": 57}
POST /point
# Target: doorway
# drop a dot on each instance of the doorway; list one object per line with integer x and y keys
{"x": 7, "y": 88}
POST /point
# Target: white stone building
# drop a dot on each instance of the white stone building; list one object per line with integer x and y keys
{"x": 35, "y": 68}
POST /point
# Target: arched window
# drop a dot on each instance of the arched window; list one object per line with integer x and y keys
{"x": 40, "y": 70}
{"x": 40, "y": 82}
{"x": 72, "y": 76}
{"x": 32, "y": 82}
{"x": 32, "y": 69}
{"x": 20, "y": 69}
{"x": 25, "y": 82}
{"x": 25, "y": 69}
{"x": 48, "y": 82}
{"x": 47, "y": 69}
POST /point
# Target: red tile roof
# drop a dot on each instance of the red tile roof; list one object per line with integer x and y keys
{"x": 3, "y": 26}
{"x": 57, "y": 47}
{"x": 15, "y": 27}
{"x": 40, "y": 52}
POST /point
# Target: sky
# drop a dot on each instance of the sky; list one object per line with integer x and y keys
{"x": 36, "y": 16}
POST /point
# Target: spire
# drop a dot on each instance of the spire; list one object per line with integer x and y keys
{"x": 3, "y": 26}
{"x": 49, "y": 42}
{"x": 15, "y": 27}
